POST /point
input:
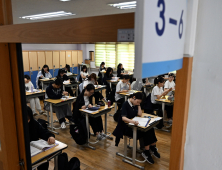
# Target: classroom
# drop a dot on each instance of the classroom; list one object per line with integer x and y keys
{"x": 110, "y": 85}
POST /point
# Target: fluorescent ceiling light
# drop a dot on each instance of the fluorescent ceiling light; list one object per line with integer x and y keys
{"x": 65, "y": 0}
{"x": 48, "y": 15}
{"x": 124, "y": 5}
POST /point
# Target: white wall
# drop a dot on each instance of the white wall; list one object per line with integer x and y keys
{"x": 203, "y": 148}
{"x": 27, "y": 47}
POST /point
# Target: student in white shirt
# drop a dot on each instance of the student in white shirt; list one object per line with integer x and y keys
{"x": 170, "y": 83}
{"x": 34, "y": 102}
{"x": 83, "y": 74}
{"x": 121, "y": 87}
{"x": 44, "y": 73}
{"x": 92, "y": 80}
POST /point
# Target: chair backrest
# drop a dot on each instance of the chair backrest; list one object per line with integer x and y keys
{"x": 81, "y": 87}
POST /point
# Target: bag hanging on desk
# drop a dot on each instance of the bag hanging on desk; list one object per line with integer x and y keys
{"x": 63, "y": 161}
{"x": 74, "y": 164}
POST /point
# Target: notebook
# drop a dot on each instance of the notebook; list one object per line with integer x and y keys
{"x": 39, "y": 146}
{"x": 142, "y": 121}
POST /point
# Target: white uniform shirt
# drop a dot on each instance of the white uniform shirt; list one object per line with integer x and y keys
{"x": 28, "y": 86}
{"x": 86, "y": 82}
{"x": 169, "y": 85}
{"x": 84, "y": 73}
{"x": 156, "y": 91}
{"x": 120, "y": 87}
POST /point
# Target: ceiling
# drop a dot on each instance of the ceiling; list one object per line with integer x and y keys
{"x": 82, "y": 8}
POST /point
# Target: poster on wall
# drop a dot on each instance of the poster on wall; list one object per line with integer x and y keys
{"x": 159, "y": 36}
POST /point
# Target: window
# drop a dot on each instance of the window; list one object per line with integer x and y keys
{"x": 113, "y": 54}
{"x": 106, "y": 53}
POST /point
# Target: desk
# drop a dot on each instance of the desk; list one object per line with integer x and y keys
{"x": 76, "y": 84}
{"x": 129, "y": 93}
{"x": 30, "y": 95}
{"x": 103, "y": 110}
{"x": 100, "y": 88}
{"x": 72, "y": 75}
{"x": 133, "y": 160}
{"x": 46, "y": 81}
{"x": 48, "y": 155}
{"x": 112, "y": 82}
{"x": 57, "y": 102}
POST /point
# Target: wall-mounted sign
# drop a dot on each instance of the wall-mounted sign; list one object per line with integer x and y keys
{"x": 159, "y": 36}
{"x": 125, "y": 35}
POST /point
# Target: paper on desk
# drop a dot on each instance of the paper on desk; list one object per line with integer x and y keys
{"x": 34, "y": 90}
{"x": 142, "y": 121}
{"x": 89, "y": 111}
{"x": 66, "y": 82}
{"x": 158, "y": 118}
{"x": 162, "y": 99}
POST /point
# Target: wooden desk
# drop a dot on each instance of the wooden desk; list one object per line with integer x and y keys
{"x": 128, "y": 94}
{"x": 112, "y": 82}
{"x": 100, "y": 88}
{"x": 57, "y": 102}
{"x": 76, "y": 84}
{"x": 30, "y": 95}
{"x": 103, "y": 110}
{"x": 48, "y": 155}
{"x": 46, "y": 81}
{"x": 72, "y": 75}
{"x": 133, "y": 160}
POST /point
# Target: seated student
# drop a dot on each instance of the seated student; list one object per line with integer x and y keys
{"x": 34, "y": 102}
{"x": 120, "y": 71}
{"x": 64, "y": 77}
{"x": 84, "y": 100}
{"x": 53, "y": 91}
{"x": 92, "y": 80}
{"x": 121, "y": 87}
{"x": 83, "y": 74}
{"x": 130, "y": 109}
{"x": 36, "y": 132}
{"x": 67, "y": 68}
{"x": 108, "y": 76}
{"x": 101, "y": 68}
{"x": 44, "y": 73}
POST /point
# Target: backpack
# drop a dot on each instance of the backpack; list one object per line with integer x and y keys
{"x": 79, "y": 132}
{"x": 43, "y": 123}
{"x": 63, "y": 161}
{"x": 117, "y": 115}
{"x": 74, "y": 164}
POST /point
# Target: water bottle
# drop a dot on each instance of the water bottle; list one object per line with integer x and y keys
{"x": 76, "y": 79}
{"x": 31, "y": 89}
{"x": 109, "y": 103}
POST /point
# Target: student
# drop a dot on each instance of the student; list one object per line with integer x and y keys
{"x": 83, "y": 74}
{"x": 64, "y": 77}
{"x": 92, "y": 80}
{"x": 130, "y": 109}
{"x": 53, "y": 91}
{"x": 108, "y": 76}
{"x": 169, "y": 83}
{"x": 120, "y": 71}
{"x": 36, "y": 132}
{"x": 34, "y": 102}
{"x": 121, "y": 87}
{"x": 44, "y": 73}
{"x": 67, "y": 68}
{"x": 101, "y": 68}
{"x": 84, "y": 100}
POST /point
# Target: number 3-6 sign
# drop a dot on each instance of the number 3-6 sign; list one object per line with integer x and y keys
{"x": 159, "y": 36}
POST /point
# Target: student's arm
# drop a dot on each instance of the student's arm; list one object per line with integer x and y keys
{"x": 118, "y": 88}
{"x": 163, "y": 94}
{"x": 129, "y": 86}
{"x": 124, "y": 116}
{"x": 52, "y": 95}
{"x": 45, "y": 134}
{"x": 139, "y": 111}
{"x": 166, "y": 86}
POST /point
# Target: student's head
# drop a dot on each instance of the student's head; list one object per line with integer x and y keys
{"x": 171, "y": 77}
{"x": 136, "y": 98}
{"x": 89, "y": 90}
{"x": 67, "y": 68}
{"x": 84, "y": 69}
{"x": 109, "y": 71}
{"x": 29, "y": 114}
{"x": 102, "y": 64}
{"x": 27, "y": 79}
{"x": 61, "y": 72}
{"x": 120, "y": 66}
{"x": 92, "y": 77}
{"x": 57, "y": 83}
{"x": 126, "y": 78}
{"x": 45, "y": 68}
{"x": 159, "y": 81}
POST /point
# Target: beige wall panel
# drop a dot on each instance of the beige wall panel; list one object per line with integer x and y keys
{"x": 56, "y": 59}
{"x": 33, "y": 60}
{"x": 62, "y": 59}
{"x": 25, "y": 61}
{"x": 41, "y": 59}
{"x": 48, "y": 59}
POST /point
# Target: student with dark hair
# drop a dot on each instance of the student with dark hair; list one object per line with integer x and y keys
{"x": 92, "y": 80}
{"x": 44, "y": 73}
{"x": 34, "y": 102}
{"x": 36, "y": 132}
{"x": 83, "y": 74}
{"x": 64, "y": 77}
{"x": 108, "y": 76}
{"x": 101, "y": 68}
{"x": 121, "y": 87}
{"x": 120, "y": 71}
{"x": 67, "y": 68}
{"x": 84, "y": 100}
{"x": 53, "y": 91}
{"x": 131, "y": 108}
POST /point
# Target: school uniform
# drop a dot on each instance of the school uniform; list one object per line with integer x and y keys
{"x": 61, "y": 111}
{"x": 108, "y": 89}
{"x": 119, "y": 71}
{"x": 96, "y": 123}
{"x": 97, "y": 95}
{"x": 101, "y": 69}
{"x": 84, "y": 74}
{"x": 130, "y": 111}
{"x": 68, "y": 89}
{"x": 169, "y": 85}
{"x": 34, "y": 102}
{"x": 36, "y": 132}
{"x": 118, "y": 97}
{"x": 38, "y": 83}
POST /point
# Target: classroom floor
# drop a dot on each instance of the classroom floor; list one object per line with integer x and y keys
{"x": 104, "y": 157}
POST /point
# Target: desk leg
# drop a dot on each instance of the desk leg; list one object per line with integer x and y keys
{"x": 125, "y": 98}
{"x": 42, "y": 85}
{"x": 56, "y": 163}
{"x": 87, "y": 127}
{"x": 64, "y": 87}
{"x": 77, "y": 90}
{"x": 134, "y": 144}
{"x": 51, "y": 126}
{"x": 145, "y": 90}
{"x": 107, "y": 133}
{"x": 110, "y": 84}
{"x": 125, "y": 146}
